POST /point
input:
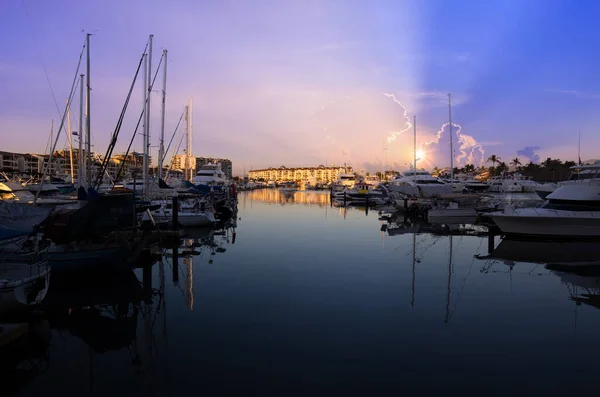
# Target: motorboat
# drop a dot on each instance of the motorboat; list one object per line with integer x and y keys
{"x": 363, "y": 192}
{"x": 210, "y": 175}
{"x": 457, "y": 186}
{"x": 476, "y": 186}
{"x": 571, "y": 211}
{"x": 192, "y": 212}
{"x": 419, "y": 183}
{"x": 344, "y": 181}
{"x": 516, "y": 183}
{"x": 580, "y": 174}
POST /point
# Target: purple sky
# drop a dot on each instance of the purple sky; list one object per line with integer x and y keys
{"x": 305, "y": 82}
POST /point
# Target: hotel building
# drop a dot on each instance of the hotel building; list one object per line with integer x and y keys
{"x": 321, "y": 174}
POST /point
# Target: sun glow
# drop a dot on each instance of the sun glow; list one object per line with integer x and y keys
{"x": 420, "y": 154}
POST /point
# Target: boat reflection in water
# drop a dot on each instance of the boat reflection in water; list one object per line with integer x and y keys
{"x": 118, "y": 315}
{"x": 576, "y": 263}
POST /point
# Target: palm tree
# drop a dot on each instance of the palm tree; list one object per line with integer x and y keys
{"x": 516, "y": 162}
{"x": 493, "y": 159}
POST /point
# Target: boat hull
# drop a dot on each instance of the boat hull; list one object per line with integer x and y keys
{"x": 62, "y": 259}
{"x": 21, "y": 293}
{"x": 192, "y": 220}
{"x": 422, "y": 191}
{"x": 549, "y": 223}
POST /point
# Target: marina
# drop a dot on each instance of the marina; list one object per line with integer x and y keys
{"x": 299, "y": 199}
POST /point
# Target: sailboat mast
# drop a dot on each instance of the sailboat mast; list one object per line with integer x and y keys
{"x": 147, "y": 147}
{"x": 145, "y": 126}
{"x": 415, "y": 147}
{"x": 88, "y": 135}
{"x": 190, "y": 151}
{"x": 161, "y": 149}
{"x": 70, "y": 137}
{"x": 49, "y": 151}
{"x": 451, "y": 138}
{"x": 187, "y": 143}
{"x": 80, "y": 162}
{"x": 579, "y": 148}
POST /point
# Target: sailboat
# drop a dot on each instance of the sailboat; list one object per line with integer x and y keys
{"x": 459, "y": 206}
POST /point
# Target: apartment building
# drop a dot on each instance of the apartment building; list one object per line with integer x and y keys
{"x": 321, "y": 174}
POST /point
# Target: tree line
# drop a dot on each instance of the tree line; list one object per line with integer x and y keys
{"x": 547, "y": 171}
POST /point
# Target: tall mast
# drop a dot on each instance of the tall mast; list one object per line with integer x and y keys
{"x": 191, "y": 134}
{"x": 88, "y": 135}
{"x": 579, "y": 149}
{"x": 145, "y": 126}
{"x": 147, "y": 146}
{"x": 80, "y": 162}
{"x": 49, "y": 152}
{"x": 161, "y": 148}
{"x": 187, "y": 143}
{"x": 70, "y": 137}
{"x": 415, "y": 147}
{"x": 451, "y": 138}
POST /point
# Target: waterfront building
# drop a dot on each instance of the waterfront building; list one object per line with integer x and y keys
{"x": 33, "y": 164}
{"x": 321, "y": 174}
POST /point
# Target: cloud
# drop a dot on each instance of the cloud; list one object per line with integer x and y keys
{"x": 529, "y": 153}
{"x": 465, "y": 147}
{"x": 576, "y": 94}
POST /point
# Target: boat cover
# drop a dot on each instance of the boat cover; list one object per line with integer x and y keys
{"x": 22, "y": 217}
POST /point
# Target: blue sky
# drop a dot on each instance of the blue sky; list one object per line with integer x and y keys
{"x": 303, "y": 82}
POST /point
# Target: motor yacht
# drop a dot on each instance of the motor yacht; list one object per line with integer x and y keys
{"x": 419, "y": 183}
{"x": 570, "y": 211}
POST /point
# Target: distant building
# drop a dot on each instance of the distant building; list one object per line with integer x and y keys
{"x": 33, "y": 164}
{"x": 321, "y": 174}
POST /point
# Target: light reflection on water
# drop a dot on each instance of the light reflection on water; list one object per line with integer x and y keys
{"x": 304, "y": 298}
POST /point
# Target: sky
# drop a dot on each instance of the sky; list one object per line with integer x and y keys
{"x": 310, "y": 82}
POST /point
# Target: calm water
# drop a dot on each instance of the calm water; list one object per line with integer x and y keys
{"x": 306, "y": 299}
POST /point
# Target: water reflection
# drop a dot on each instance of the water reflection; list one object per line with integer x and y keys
{"x": 274, "y": 196}
{"x": 327, "y": 304}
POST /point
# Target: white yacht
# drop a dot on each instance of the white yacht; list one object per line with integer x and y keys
{"x": 570, "y": 211}
{"x": 580, "y": 174}
{"x": 419, "y": 183}
{"x": 476, "y": 186}
{"x": 210, "y": 175}
{"x": 372, "y": 180}
{"x": 512, "y": 184}
{"x": 457, "y": 186}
